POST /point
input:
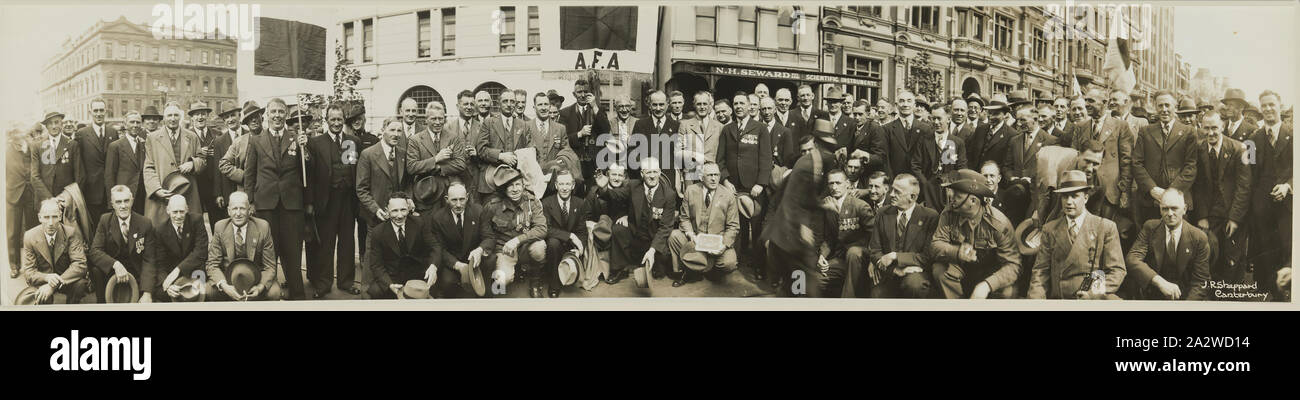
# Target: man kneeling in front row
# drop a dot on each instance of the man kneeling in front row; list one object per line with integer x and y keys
{"x": 54, "y": 257}
{"x": 241, "y": 237}
{"x": 399, "y": 250}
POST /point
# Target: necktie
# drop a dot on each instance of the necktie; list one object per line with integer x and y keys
{"x": 806, "y": 112}
{"x": 401, "y": 235}
{"x": 1029, "y": 141}
{"x": 708, "y": 199}
{"x": 901, "y": 229}
{"x": 240, "y": 251}
{"x": 180, "y": 230}
{"x": 1074, "y": 228}
{"x": 659, "y": 124}
{"x": 338, "y": 141}
{"x": 1272, "y": 138}
{"x": 460, "y": 221}
{"x": 649, "y": 194}
{"x": 507, "y": 122}
{"x": 1171, "y": 248}
{"x": 125, "y": 228}
{"x": 564, "y": 209}
{"x": 49, "y": 241}
{"x": 1096, "y": 130}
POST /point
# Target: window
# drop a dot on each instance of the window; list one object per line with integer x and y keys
{"x": 172, "y": 86}
{"x": 748, "y": 25}
{"x": 495, "y": 90}
{"x": 126, "y": 82}
{"x": 869, "y": 11}
{"x": 1040, "y": 46}
{"x": 188, "y": 56}
{"x": 189, "y": 87}
{"x": 926, "y": 18}
{"x": 423, "y": 42}
{"x": 109, "y": 81}
{"x": 139, "y": 53}
{"x": 349, "y": 52}
{"x": 448, "y": 31}
{"x": 217, "y": 87}
{"x": 1003, "y": 88}
{"x": 422, "y": 95}
{"x": 126, "y": 105}
{"x": 108, "y": 50}
{"x": 121, "y": 51}
{"x": 204, "y": 57}
{"x": 706, "y": 22}
{"x": 230, "y": 86}
{"x": 1002, "y": 36}
{"x": 137, "y": 104}
{"x": 139, "y": 82}
{"x": 970, "y": 23}
{"x": 367, "y": 40}
{"x": 864, "y": 67}
{"x": 785, "y": 32}
{"x": 155, "y": 53}
{"x": 507, "y": 30}
{"x": 171, "y": 55}
{"x": 978, "y": 25}
{"x": 230, "y": 60}
{"x": 534, "y": 30}
{"x": 109, "y": 108}
{"x": 206, "y": 86}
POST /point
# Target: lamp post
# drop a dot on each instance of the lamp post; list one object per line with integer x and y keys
{"x": 164, "y": 89}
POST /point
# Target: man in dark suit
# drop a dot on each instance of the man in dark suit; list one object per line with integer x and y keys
{"x": 961, "y": 126}
{"x": 222, "y": 186}
{"x": 55, "y": 160}
{"x": 333, "y": 201}
{"x": 54, "y": 256}
{"x": 20, "y": 202}
{"x": 990, "y": 141}
{"x": 566, "y": 222}
{"x": 798, "y": 224}
{"x": 401, "y": 250}
{"x": 641, "y": 237}
{"x": 355, "y": 123}
{"x": 1021, "y": 161}
{"x": 583, "y": 124}
{"x": 854, "y": 227}
{"x": 804, "y": 115}
{"x": 1236, "y": 125}
{"x": 457, "y": 229}
{"x": 119, "y": 248}
{"x": 1170, "y": 259}
{"x": 653, "y": 137}
{"x": 199, "y": 113}
{"x": 1222, "y": 196}
{"x": 274, "y": 177}
{"x": 902, "y": 134}
{"x": 1164, "y": 157}
{"x": 868, "y": 141}
{"x": 180, "y": 244}
{"x": 241, "y": 237}
{"x": 936, "y": 155}
{"x": 747, "y": 157}
{"x": 898, "y": 247}
{"x": 381, "y": 171}
{"x": 124, "y": 162}
{"x": 1271, "y": 195}
{"x": 784, "y": 115}
{"x": 92, "y": 146}
{"x": 843, "y": 125}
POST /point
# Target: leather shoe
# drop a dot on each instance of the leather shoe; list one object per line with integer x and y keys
{"x": 679, "y": 281}
{"x": 554, "y": 293}
{"x": 13, "y": 274}
{"x": 616, "y": 276}
{"x": 760, "y": 275}
{"x": 656, "y": 273}
{"x": 317, "y": 295}
{"x": 352, "y": 291}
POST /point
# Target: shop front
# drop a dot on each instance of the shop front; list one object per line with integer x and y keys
{"x": 726, "y": 80}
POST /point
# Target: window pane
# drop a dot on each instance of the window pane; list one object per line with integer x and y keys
{"x": 425, "y": 41}
{"x": 706, "y": 24}
{"x": 449, "y": 31}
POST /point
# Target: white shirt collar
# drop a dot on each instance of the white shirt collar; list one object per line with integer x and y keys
{"x": 1078, "y": 221}
{"x": 1176, "y": 233}
{"x": 1276, "y": 128}
{"x": 386, "y": 147}
{"x": 1031, "y": 136}
{"x": 839, "y": 203}
{"x": 650, "y": 189}
{"x": 908, "y": 212}
{"x": 1217, "y": 147}
{"x": 397, "y": 228}
{"x": 242, "y": 231}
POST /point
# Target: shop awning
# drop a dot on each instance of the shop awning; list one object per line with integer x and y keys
{"x": 774, "y": 73}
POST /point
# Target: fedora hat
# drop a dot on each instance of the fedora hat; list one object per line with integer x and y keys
{"x": 641, "y": 275}
{"x": 553, "y": 96}
{"x": 191, "y": 290}
{"x": 748, "y": 206}
{"x": 604, "y": 229}
{"x": 27, "y": 297}
{"x": 1234, "y": 94}
{"x": 475, "y": 278}
{"x": 778, "y": 174}
{"x": 428, "y": 189}
{"x": 297, "y": 113}
{"x": 354, "y": 110}
{"x": 1072, "y": 181}
{"x": 997, "y": 103}
{"x": 243, "y": 274}
{"x": 229, "y": 108}
{"x": 251, "y": 111}
{"x": 969, "y": 181}
{"x": 1028, "y": 237}
{"x": 51, "y": 115}
{"x": 975, "y": 98}
{"x": 824, "y": 131}
{"x": 124, "y": 291}
{"x": 1204, "y": 105}
{"x": 834, "y": 94}
{"x": 1253, "y": 112}
{"x": 922, "y": 101}
{"x": 568, "y": 269}
{"x": 415, "y": 289}
{"x": 695, "y": 261}
{"x": 176, "y": 182}
{"x": 1187, "y": 106}
{"x": 198, "y": 106}
{"x": 502, "y": 175}
{"x": 151, "y": 112}
{"x": 1018, "y": 97}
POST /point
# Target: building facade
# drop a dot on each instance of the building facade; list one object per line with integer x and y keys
{"x": 124, "y": 64}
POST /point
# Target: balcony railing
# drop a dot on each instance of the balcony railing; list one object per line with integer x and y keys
{"x": 970, "y": 53}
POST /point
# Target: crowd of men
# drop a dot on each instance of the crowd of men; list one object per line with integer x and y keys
{"x": 1097, "y": 196}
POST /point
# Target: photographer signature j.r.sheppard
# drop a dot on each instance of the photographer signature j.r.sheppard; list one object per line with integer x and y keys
{"x": 1225, "y": 290}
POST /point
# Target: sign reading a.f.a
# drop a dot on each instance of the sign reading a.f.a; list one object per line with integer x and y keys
{"x": 599, "y": 60}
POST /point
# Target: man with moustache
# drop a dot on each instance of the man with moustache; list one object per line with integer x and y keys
{"x": 641, "y": 236}
{"x": 1170, "y": 259}
{"x": 902, "y": 134}
{"x": 937, "y": 154}
{"x": 436, "y": 152}
{"x": 566, "y": 222}
{"x": 207, "y": 179}
{"x": 854, "y": 226}
{"x": 411, "y": 123}
{"x": 381, "y": 171}
{"x": 168, "y": 149}
{"x": 242, "y": 236}
{"x": 124, "y": 161}
{"x": 974, "y": 248}
{"x": 991, "y": 140}
{"x": 1271, "y": 195}
{"x": 119, "y": 250}
{"x": 1047, "y": 120}
{"x": 274, "y": 178}
{"x": 1222, "y": 195}
{"x": 333, "y": 199}
{"x": 54, "y": 256}
{"x": 747, "y": 156}
{"x": 55, "y": 160}
{"x": 1235, "y": 123}
{"x": 583, "y": 126}
{"x": 181, "y": 244}
{"x": 1164, "y": 157}
{"x": 1077, "y": 247}
{"x": 92, "y": 146}
{"x": 623, "y": 121}
{"x": 898, "y": 248}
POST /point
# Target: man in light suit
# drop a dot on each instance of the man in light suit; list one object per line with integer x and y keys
{"x": 1116, "y": 172}
{"x": 701, "y": 134}
{"x": 1164, "y": 157}
{"x": 55, "y": 160}
{"x": 242, "y": 236}
{"x": 436, "y": 151}
{"x": 120, "y": 246}
{"x": 124, "y": 162}
{"x": 381, "y": 171}
{"x": 621, "y": 121}
{"x": 1271, "y": 195}
{"x": 505, "y": 134}
{"x": 707, "y": 208}
{"x": 470, "y": 129}
{"x": 898, "y": 253}
{"x": 1171, "y": 258}
{"x": 92, "y": 142}
{"x": 231, "y": 164}
{"x": 1222, "y": 195}
{"x": 1119, "y": 107}
{"x": 550, "y": 139}
{"x": 171, "y": 148}
{"x": 657, "y": 128}
{"x": 54, "y": 257}
{"x": 1076, "y": 247}
{"x": 274, "y": 177}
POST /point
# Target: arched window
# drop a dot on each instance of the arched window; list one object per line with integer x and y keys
{"x": 495, "y": 90}
{"x": 422, "y": 95}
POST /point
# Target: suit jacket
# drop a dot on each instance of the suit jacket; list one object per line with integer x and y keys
{"x": 913, "y": 248}
{"x": 930, "y": 163}
{"x": 67, "y": 257}
{"x": 746, "y": 157}
{"x": 964, "y": 131}
{"x": 222, "y": 185}
{"x": 419, "y": 126}
{"x": 1135, "y": 123}
{"x": 500, "y": 140}
{"x": 561, "y": 223}
{"x": 899, "y": 144}
{"x": 159, "y": 161}
{"x": 702, "y": 140}
{"x": 989, "y": 144}
{"x": 856, "y": 221}
{"x": 1272, "y": 164}
{"x": 1116, "y": 172}
{"x": 377, "y": 179}
{"x": 1149, "y": 256}
{"x": 650, "y": 220}
{"x": 1062, "y": 262}
{"x": 421, "y": 149}
{"x": 231, "y": 164}
{"x": 586, "y": 147}
{"x": 335, "y": 170}
{"x": 650, "y": 141}
{"x": 1021, "y": 162}
{"x": 55, "y": 167}
{"x": 18, "y": 172}
{"x": 1165, "y": 163}
{"x": 722, "y": 217}
{"x": 845, "y": 131}
{"x": 273, "y": 173}
{"x": 805, "y": 124}
{"x": 552, "y": 144}
{"x": 93, "y": 151}
{"x": 614, "y": 128}
{"x": 108, "y": 246}
{"x": 871, "y": 138}
{"x": 1244, "y": 130}
{"x": 797, "y": 203}
{"x": 476, "y": 137}
{"x": 1222, "y": 187}
{"x": 391, "y": 261}
{"x": 187, "y": 253}
{"x": 259, "y": 247}
{"x": 123, "y": 166}
{"x": 455, "y": 243}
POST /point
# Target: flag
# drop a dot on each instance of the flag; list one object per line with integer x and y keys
{"x": 1117, "y": 67}
{"x": 605, "y": 28}
{"x": 1074, "y": 86}
{"x": 289, "y": 49}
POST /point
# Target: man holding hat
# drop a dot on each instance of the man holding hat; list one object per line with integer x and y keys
{"x": 843, "y": 125}
{"x": 92, "y": 144}
{"x": 436, "y": 154}
{"x": 707, "y": 209}
{"x": 124, "y": 161}
{"x": 566, "y": 221}
{"x": 457, "y": 230}
{"x": 56, "y": 159}
{"x": 1079, "y": 256}
{"x": 898, "y": 257}
{"x": 381, "y": 171}
{"x": 1237, "y": 127}
{"x": 402, "y": 249}
{"x": 1164, "y": 157}
{"x": 54, "y": 256}
{"x": 800, "y": 229}
{"x": 641, "y": 237}
{"x": 1171, "y": 258}
{"x": 231, "y": 164}
{"x": 122, "y": 245}
{"x": 180, "y": 245}
{"x": 515, "y": 231}
{"x": 974, "y": 247}
{"x": 242, "y": 237}
{"x": 1222, "y": 195}
{"x": 171, "y": 149}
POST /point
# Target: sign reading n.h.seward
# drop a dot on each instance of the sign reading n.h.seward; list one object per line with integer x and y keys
{"x": 794, "y": 76}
